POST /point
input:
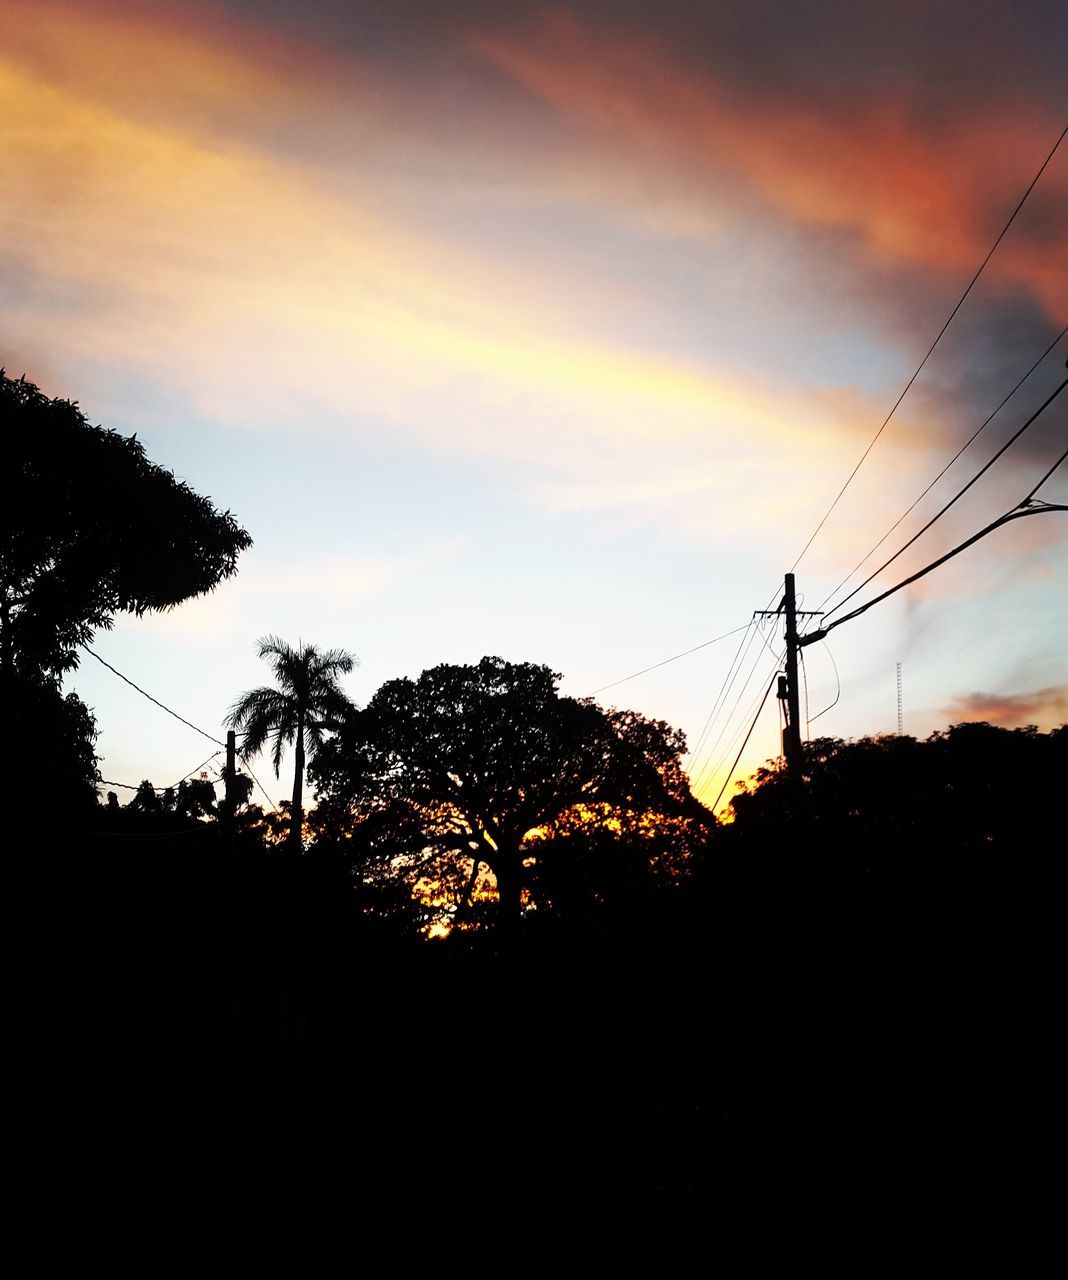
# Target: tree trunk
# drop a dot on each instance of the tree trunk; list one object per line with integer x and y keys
{"x": 296, "y": 812}
{"x": 507, "y": 870}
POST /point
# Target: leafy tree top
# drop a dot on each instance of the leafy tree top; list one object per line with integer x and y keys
{"x": 470, "y": 760}
{"x": 90, "y": 528}
{"x": 306, "y": 701}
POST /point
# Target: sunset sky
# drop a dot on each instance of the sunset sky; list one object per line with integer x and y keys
{"x": 552, "y": 332}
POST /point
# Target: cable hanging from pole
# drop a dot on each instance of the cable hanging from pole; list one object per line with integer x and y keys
{"x": 162, "y": 706}
{"x": 714, "y": 763}
{"x": 721, "y": 694}
{"x": 956, "y": 497}
{"x": 964, "y": 447}
{"x": 656, "y": 665}
{"x": 745, "y": 743}
{"x": 708, "y": 768}
{"x": 1028, "y": 507}
{"x": 930, "y": 350}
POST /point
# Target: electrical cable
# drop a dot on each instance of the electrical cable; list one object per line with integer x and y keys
{"x": 725, "y": 689}
{"x": 693, "y": 769}
{"x": 126, "y": 786}
{"x": 728, "y": 735}
{"x": 804, "y": 675}
{"x": 713, "y": 763}
{"x": 744, "y": 744}
{"x": 930, "y": 350}
{"x": 162, "y": 706}
{"x": 722, "y": 693}
{"x": 1030, "y": 496}
{"x": 971, "y": 439}
{"x": 1028, "y": 507}
{"x": 200, "y": 766}
{"x": 260, "y": 785}
{"x": 956, "y": 497}
{"x": 838, "y": 680}
{"x": 685, "y": 654}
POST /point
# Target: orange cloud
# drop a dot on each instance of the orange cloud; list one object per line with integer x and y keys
{"x": 929, "y": 193}
{"x": 241, "y": 277}
{"x": 153, "y": 236}
{"x": 149, "y": 64}
{"x": 1046, "y": 708}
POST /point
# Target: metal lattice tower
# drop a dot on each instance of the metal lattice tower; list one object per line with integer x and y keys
{"x": 900, "y": 721}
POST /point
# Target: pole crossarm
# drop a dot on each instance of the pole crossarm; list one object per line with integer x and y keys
{"x": 798, "y": 613}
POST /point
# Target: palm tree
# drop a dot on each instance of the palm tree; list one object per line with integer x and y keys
{"x": 307, "y": 700}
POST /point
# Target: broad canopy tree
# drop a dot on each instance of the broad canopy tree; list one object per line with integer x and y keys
{"x": 89, "y": 527}
{"x": 470, "y": 765}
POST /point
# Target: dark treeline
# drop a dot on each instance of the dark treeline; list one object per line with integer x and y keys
{"x": 502, "y": 947}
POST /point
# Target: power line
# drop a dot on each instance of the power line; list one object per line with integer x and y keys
{"x": 967, "y": 444}
{"x": 260, "y": 785}
{"x": 1028, "y": 507}
{"x": 126, "y": 786}
{"x": 162, "y": 706}
{"x": 838, "y": 691}
{"x": 804, "y": 673}
{"x": 710, "y": 769}
{"x": 214, "y": 755}
{"x": 956, "y": 497}
{"x": 1031, "y": 495}
{"x": 695, "y": 751}
{"x": 930, "y": 350}
{"x": 685, "y": 654}
{"x": 699, "y": 773}
{"x": 745, "y": 743}
{"x": 731, "y": 728}
{"x": 725, "y": 689}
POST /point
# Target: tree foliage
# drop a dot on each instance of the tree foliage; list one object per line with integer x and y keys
{"x": 894, "y": 795}
{"x": 472, "y": 767}
{"x": 306, "y": 702}
{"x": 89, "y": 528}
{"x": 48, "y": 746}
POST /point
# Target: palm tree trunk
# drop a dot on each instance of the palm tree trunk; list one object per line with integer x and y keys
{"x": 296, "y": 811}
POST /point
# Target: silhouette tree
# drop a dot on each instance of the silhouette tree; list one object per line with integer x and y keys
{"x": 307, "y": 701}
{"x": 471, "y": 764}
{"x": 49, "y": 748}
{"x": 90, "y": 528}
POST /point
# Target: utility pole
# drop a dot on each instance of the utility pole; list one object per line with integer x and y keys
{"x": 230, "y": 808}
{"x": 792, "y": 736}
{"x": 229, "y": 776}
{"x": 788, "y": 688}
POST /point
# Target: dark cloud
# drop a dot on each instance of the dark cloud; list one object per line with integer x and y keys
{"x": 1043, "y": 707}
{"x": 821, "y": 51}
{"x": 990, "y": 347}
{"x": 953, "y": 40}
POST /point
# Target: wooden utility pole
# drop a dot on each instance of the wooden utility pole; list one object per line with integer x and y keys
{"x": 791, "y": 739}
{"x": 788, "y": 690}
{"x": 229, "y": 776}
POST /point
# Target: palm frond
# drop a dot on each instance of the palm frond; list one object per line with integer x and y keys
{"x": 307, "y": 690}
{"x": 256, "y": 714}
{"x": 328, "y": 664}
